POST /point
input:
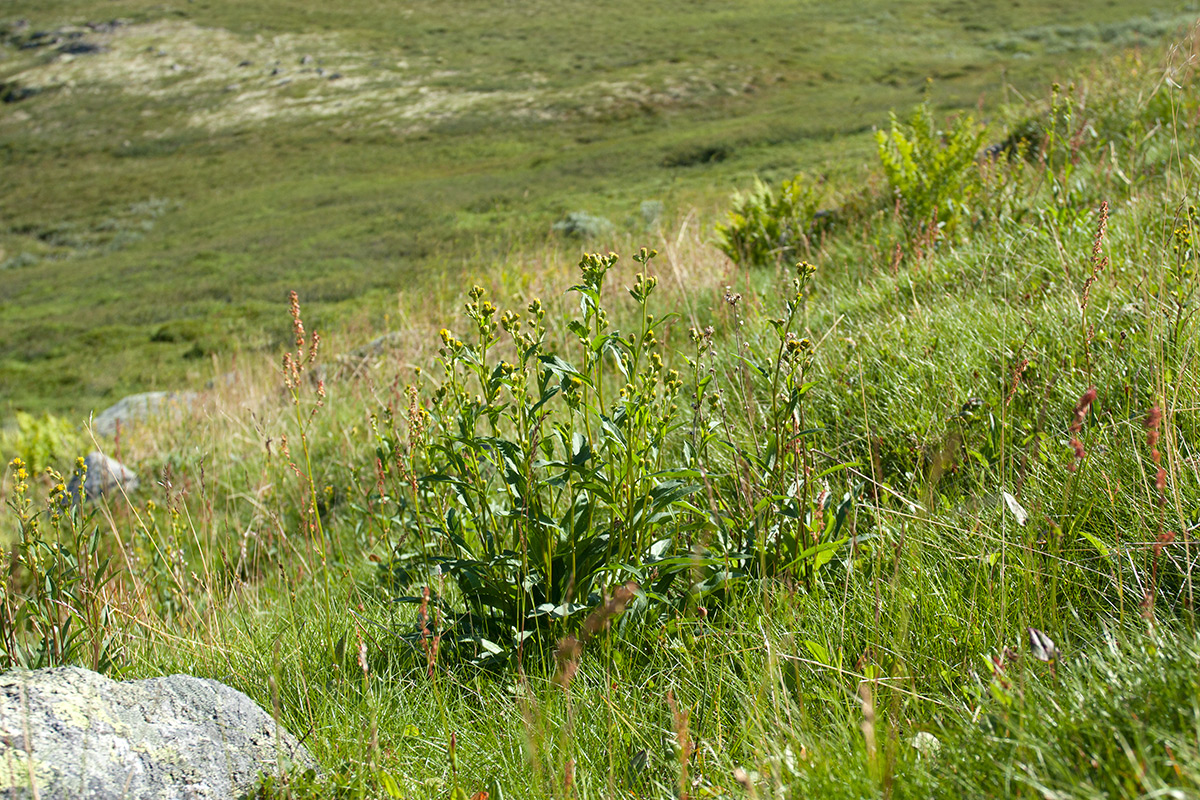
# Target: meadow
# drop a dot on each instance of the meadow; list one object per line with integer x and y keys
{"x": 875, "y": 477}
{"x": 163, "y": 191}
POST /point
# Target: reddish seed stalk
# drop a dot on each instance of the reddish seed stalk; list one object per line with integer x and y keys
{"x": 1081, "y": 411}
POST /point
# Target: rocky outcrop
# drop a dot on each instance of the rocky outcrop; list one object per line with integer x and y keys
{"x": 135, "y": 408}
{"x": 72, "y": 733}
{"x": 105, "y": 475}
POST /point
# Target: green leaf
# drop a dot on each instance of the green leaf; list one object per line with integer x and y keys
{"x": 1101, "y": 548}
{"x": 388, "y": 783}
{"x": 820, "y": 554}
{"x": 818, "y": 651}
{"x": 490, "y": 646}
{"x": 561, "y": 368}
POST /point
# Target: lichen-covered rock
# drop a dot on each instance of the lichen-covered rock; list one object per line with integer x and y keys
{"x": 135, "y": 408}
{"x": 75, "y": 734}
{"x": 105, "y": 475}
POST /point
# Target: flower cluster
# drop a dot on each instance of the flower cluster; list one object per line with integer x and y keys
{"x": 306, "y": 350}
{"x": 1153, "y": 421}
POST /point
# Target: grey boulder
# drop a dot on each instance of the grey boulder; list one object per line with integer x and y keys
{"x": 72, "y": 733}
{"x": 105, "y": 475}
{"x": 136, "y": 408}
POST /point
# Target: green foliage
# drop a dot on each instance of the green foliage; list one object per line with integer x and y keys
{"x": 53, "y": 610}
{"x": 539, "y": 484}
{"x": 41, "y": 442}
{"x": 931, "y": 171}
{"x": 767, "y": 227}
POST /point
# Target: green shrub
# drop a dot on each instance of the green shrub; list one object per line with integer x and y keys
{"x": 52, "y": 607}
{"x": 550, "y": 490}
{"x": 767, "y": 227}
{"x": 41, "y": 442}
{"x": 931, "y": 172}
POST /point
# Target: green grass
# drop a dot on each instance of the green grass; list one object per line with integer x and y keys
{"x": 873, "y": 494}
{"x": 530, "y": 112}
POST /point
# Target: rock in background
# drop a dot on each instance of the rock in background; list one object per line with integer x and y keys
{"x": 73, "y": 733}
{"x": 105, "y": 475}
{"x": 135, "y": 408}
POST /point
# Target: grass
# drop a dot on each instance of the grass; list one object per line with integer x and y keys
{"x": 918, "y": 521}
{"x": 448, "y": 141}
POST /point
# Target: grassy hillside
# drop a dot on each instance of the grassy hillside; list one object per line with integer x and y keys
{"x": 168, "y": 178}
{"x": 899, "y": 502}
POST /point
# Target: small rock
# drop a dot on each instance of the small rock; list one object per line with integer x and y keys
{"x": 13, "y": 92}
{"x": 335, "y": 76}
{"x": 105, "y": 475}
{"x": 39, "y": 39}
{"x": 106, "y": 27}
{"x": 78, "y": 48}
{"x": 73, "y": 733}
{"x": 139, "y": 407}
{"x": 245, "y": 63}
{"x": 306, "y": 60}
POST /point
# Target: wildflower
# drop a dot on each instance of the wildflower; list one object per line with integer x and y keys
{"x": 1098, "y": 262}
{"x": 643, "y": 255}
{"x": 1081, "y": 410}
{"x": 1153, "y": 420}
{"x": 1152, "y": 424}
{"x": 297, "y": 324}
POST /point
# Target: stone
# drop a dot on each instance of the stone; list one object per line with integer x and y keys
{"x": 105, "y": 475}
{"x": 139, "y": 407}
{"x": 13, "y": 92}
{"x": 106, "y": 27}
{"x": 68, "y": 732}
{"x": 78, "y": 48}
